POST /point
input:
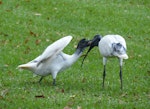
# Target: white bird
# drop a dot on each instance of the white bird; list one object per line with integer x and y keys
{"x": 110, "y": 46}
{"x": 53, "y": 60}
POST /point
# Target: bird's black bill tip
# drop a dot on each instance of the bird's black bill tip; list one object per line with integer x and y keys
{"x": 91, "y": 47}
{"x": 89, "y": 42}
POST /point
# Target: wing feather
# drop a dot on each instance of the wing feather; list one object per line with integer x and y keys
{"x": 55, "y": 48}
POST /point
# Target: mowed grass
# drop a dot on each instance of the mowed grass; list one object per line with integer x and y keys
{"x": 27, "y": 27}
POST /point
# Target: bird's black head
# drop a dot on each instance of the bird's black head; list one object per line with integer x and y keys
{"x": 94, "y": 42}
{"x": 83, "y": 43}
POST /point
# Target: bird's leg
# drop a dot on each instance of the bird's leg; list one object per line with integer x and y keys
{"x": 121, "y": 60}
{"x": 121, "y": 76}
{"x": 104, "y": 74}
{"x": 54, "y": 74}
{"x": 40, "y": 79}
{"x": 54, "y": 82}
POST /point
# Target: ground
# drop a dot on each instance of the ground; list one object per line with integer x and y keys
{"x": 27, "y": 27}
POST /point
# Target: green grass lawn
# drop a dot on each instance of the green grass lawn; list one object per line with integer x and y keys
{"x": 27, "y": 27}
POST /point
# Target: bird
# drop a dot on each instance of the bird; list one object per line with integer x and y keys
{"x": 53, "y": 60}
{"x": 110, "y": 46}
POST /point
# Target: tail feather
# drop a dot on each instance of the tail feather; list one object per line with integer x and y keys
{"x": 28, "y": 66}
{"x": 23, "y": 66}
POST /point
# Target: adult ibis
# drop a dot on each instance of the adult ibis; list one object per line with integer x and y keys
{"x": 110, "y": 46}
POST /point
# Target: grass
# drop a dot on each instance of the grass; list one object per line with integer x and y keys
{"x": 27, "y": 27}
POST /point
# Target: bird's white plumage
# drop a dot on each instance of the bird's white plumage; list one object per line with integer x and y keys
{"x": 49, "y": 54}
{"x": 105, "y": 45}
{"x": 113, "y": 46}
{"x": 110, "y": 46}
{"x": 53, "y": 60}
{"x": 52, "y": 50}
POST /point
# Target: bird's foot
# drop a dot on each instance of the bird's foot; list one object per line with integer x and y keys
{"x": 54, "y": 82}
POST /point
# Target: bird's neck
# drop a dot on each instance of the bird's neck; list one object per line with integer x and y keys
{"x": 78, "y": 52}
{"x": 76, "y": 55}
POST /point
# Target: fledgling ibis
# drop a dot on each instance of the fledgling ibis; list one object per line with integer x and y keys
{"x": 53, "y": 60}
{"x": 110, "y": 46}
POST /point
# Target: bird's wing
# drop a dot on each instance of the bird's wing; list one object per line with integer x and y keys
{"x": 120, "y": 40}
{"x": 55, "y": 48}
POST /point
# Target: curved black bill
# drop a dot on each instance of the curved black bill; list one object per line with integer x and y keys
{"x": 93, "y": 43}
{"x": 91, "y": 47}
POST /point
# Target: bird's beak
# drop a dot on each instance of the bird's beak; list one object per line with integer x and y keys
{"x": 92, "y": 43}
{"x": 89, "y": 42}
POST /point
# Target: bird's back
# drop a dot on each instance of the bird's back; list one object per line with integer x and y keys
{"x": 105, "y": 44}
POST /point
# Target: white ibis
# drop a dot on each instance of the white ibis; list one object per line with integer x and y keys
{"x": 110, "y": 46}
{"x": 53, "y": 60}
